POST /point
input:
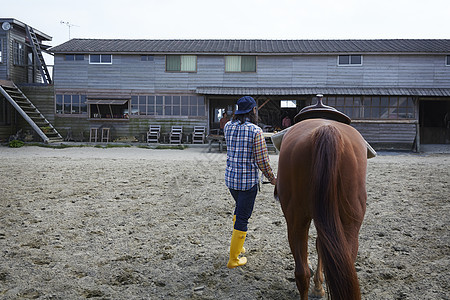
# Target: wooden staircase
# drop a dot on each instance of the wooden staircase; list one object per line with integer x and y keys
{"x": 29, "y": 112}
{"x": 40, "y": 62}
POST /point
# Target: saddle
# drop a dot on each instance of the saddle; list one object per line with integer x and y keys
{"x": 319, "y": 111}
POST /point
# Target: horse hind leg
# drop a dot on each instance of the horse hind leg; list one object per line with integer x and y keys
{"x": 299, "y": 248}
{"x": 318, "y": 280}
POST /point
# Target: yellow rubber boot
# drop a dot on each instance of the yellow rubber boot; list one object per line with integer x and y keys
{"x": 234, "y": 221}
{"x": 237, "y": 241}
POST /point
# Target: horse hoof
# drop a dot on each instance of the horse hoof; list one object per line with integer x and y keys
{"x": 319, "y": 293}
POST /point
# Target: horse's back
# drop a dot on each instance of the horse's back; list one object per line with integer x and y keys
{"x": 301, "y": 132}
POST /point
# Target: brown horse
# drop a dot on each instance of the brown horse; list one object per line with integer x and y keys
{"x": 322, "y": 177}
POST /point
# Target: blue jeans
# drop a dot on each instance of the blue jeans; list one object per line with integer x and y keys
{"x": 245, "y": 201}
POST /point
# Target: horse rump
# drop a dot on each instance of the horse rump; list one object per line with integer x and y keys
{"x": 326, "y": 188}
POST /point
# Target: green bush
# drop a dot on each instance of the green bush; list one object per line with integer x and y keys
{"x": 16, "y": 144}
{"x": 174, "y": 147}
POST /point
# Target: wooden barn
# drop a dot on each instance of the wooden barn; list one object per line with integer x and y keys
{"x": 22, "y": 65}
{"x": 397, "y": 92}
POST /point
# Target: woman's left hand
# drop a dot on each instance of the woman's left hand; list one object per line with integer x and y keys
{"x": 274, "y": 181}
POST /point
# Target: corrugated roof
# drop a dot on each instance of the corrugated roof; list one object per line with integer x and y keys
{"x": 254, "y": 46}
{"x": 423, "y": 92}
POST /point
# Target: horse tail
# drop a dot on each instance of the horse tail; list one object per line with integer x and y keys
{"x": 332, "y": 245}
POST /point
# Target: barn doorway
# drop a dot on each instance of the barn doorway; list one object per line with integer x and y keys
{"x": 272, "y": 110}
{"x": 434, "y": 121}
{"x": 217, "y": 107}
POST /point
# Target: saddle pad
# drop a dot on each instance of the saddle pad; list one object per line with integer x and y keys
{"x": 277, "y": 138}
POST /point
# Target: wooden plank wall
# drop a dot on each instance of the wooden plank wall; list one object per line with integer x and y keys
{"x": 388, "y": 135}
{"x": 18, "y": 74}
{"x": 43, "y": 97}
{"x": 6, "y": 131}
{"x": 125, "y": 130}
{"x": 10, "y": 71}
{"x": 3, "y": 47}
{"x": 380, "y": 134}
{"x": 129, "y": 75}
{"x": 128, "y": 72}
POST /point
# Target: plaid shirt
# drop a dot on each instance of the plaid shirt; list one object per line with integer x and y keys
{"x": 246, "y": 153}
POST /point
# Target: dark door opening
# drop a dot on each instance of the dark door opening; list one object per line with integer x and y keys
{"x": 272, "y": 110}
{"x": 217, "y": 108}
{"x": 434, "y": 121}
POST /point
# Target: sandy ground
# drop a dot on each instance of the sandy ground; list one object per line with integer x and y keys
{"x": 132, "y": 223}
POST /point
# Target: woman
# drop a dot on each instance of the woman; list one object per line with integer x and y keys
{"x": 246, "y": 155}
{"x": 223, "y": 121}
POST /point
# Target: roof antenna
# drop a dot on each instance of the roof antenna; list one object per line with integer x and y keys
{"x": 69, "y": 25}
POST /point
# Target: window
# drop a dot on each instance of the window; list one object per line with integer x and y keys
{"x": 447, "y": 60}
{"x": 196, "y": 106}
{"x": 288, "y": 104}
{"x": 351, "y": 106}
{"x": 19, "y": 54}
{"x": 386, "y": 107}
{"x": 235, "y": 63}
{"x": 74, "y": 57}
{"x": 1, "y": 42}
{"x": 108, "y": 108}
{"x": 100, "y": 59}
{"x": 346, "y": 60}
{"x": 71, "y": 104}
{"x": 373, "y": 107}
{"x": 167, "y": 105}
{"x": 146, "y": 57}
{"x": 159, "y": 105}
{"x": 181, "y": 63}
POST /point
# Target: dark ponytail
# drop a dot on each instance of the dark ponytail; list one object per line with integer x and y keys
{"x": 250, "y": 116}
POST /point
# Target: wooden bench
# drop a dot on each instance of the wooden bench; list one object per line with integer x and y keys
{"x": 216, "y": 138}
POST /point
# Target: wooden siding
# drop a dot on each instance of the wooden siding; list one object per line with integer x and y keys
{"x": 6, "y": 130}
{"x": 4, "y": 47}
{"x": 386, "y": 135}
{"x": 18, "y": 74}
{"x": 9, "y": 71}
{"x": 133, "y": 128}
{"x": 129, "y": 75}
{"x": 380, "y": 134}
{"x": 43, "y": 98}
{"x": 128, "y": 72}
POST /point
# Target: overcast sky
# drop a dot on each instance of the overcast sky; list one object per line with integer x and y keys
{"x": 234, "y": 19}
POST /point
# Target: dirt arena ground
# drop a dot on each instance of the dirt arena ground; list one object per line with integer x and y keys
{"x": 133, "y": 223}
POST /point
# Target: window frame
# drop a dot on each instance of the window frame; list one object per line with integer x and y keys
{"x": 349, "y": 64}
{"x": 19, "y": 55}
{"x": 109, "y": 109}
{"x": 82, "y": 102}
{"x": 174, "y": 105}
{"x": 100, "y": 59}
{"x": 180, "y": 69}
{"x": 147, "y": 57}
{"x": 226, "y": 57}
{"x": 374, "y": 107}
{"x": 73, "y": 57}
{"x": 286, "y": 104}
